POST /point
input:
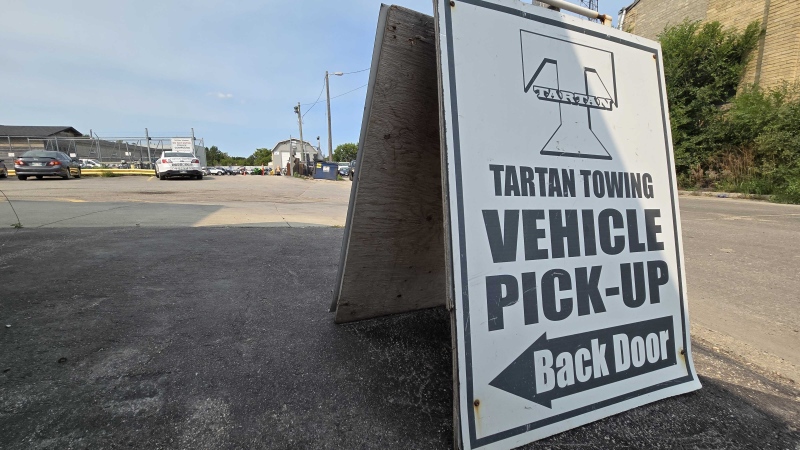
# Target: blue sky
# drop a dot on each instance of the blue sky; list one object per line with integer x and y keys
{"x": 233, "y": 70}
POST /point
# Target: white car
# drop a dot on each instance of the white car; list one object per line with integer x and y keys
{"x": 178, "y": 164}
{"x": 90, "y": 163}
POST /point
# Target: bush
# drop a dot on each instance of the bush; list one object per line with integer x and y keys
{"x": 703, "y": 66}
{"x": 758, "y": 148}
{"x": 744, "y": 142}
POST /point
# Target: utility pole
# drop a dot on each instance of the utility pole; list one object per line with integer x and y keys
{"x": 328, "y": 93}
{"x": 149, "y": 157}
{"x": 291, "y": 155}
{"x": 300, "y": 123}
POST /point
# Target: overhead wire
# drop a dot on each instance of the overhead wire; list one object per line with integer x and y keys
{"x": 323, "y": 89}
{"x": 352, "y": 90}
{"x": 315, "y": 101}
{"x": 357, "y": 71}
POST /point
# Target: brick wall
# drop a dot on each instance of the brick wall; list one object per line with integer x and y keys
{"x": 738, "y": 14}
{"x": 780, "y": 58}
{"x": 777, "y": 58}
{"x": 649, "y": 17}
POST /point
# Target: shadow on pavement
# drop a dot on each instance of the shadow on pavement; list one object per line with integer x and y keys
{"x": 220, "y": 338}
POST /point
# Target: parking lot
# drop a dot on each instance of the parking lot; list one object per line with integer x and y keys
{"x": 139, "y": 313}
{"x": 240, "y": 200}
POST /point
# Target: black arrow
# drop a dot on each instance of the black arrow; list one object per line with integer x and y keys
{"x": 519, "y": 378}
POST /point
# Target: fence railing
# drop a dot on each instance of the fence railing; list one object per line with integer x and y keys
{"x": 135, "y": 151}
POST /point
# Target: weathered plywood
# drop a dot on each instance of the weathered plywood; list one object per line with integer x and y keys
{"x": 393, "y": 256}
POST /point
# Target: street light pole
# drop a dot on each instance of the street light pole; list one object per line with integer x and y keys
{"x": 328, "y": 93}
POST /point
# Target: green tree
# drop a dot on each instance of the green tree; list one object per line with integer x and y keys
{"x": 261, "y": 157}
{"x": 232, "y": 160}
{"x": 214, "y": 156}
{"x": 703, "y": 66}
{"x": 345, "y": 152}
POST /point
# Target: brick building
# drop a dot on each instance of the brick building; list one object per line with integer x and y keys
{"x": 777, "y": 57}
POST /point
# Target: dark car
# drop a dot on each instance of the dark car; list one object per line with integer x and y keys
{"x": 46, "y": 163}
{"x": 3, "y": 170}
{"x": 352, "y": 171}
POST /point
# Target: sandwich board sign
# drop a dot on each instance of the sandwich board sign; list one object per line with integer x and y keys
{"x": 541, "y": 211}
{"x": 570, "y": 298}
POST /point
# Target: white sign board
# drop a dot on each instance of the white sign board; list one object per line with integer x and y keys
{"x": 182, "y": 145}
{"x": 569, "y": 289}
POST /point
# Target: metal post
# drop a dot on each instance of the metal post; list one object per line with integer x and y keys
{"x": 99, "y": 153}
{"x": 604, "y": 18}
{"x": 149, "y": 157}
{"x": 300, "y": 123}
{"x": 194, "y": 150}
{"x": 328, "y": 93}
{"x": 57, "y": 149}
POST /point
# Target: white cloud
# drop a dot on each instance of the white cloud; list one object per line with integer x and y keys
{"x": 221, "y": 95}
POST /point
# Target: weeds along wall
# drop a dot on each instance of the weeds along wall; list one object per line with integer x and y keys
{"x": 728, "y": 135}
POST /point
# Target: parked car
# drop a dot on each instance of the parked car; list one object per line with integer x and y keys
{"x": 178, "y": 164}
{"x": 90, "y": 163}
{"x": 344, "y": 169}
{"x": 231, "y": 171}
{"x": 3, "y": 170}
{"x": 46, "y": 163}
{"x": 216, "y": 171}
{"x": 352, "y": 169}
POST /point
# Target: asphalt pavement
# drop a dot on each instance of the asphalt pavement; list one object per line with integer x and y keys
{"x": 743, "y": 277}
{"x": 241, "y": 201}
{"x": 209, "y": 338}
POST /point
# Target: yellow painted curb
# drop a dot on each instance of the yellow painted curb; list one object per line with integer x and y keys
{"x": 99, "y": 172}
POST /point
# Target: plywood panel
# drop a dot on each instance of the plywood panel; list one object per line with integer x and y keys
{"x": 393, "y": 251}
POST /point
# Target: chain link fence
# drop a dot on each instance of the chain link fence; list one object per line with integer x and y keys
{"x": 133, "y": 152}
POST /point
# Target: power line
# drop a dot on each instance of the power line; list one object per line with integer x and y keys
{"x": 323, "y": 88}
{"x": 357, "y": 71}
{"x": 336, "y": 96}
{"x": 315, "y": 101}
{"x": 353, "y": 90}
